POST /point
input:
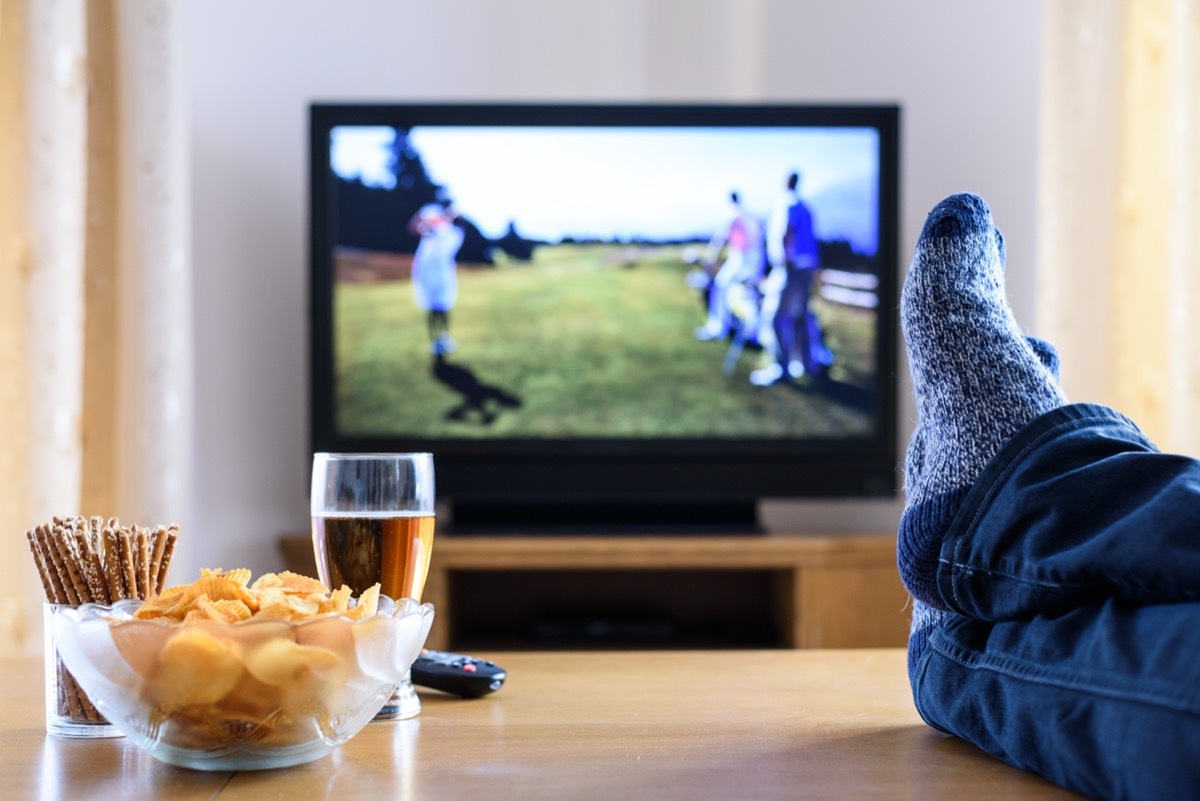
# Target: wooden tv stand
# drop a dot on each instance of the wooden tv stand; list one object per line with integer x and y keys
{"x": 826, "y": 591}
{"x": 500, "y": 592}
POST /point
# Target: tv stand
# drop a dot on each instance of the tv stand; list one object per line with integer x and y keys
{"x": 713, "y": 518}
{"x": 571, "y": 592}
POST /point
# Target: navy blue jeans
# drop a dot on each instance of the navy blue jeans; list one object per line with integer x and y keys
{"x": 1073, "y": 569}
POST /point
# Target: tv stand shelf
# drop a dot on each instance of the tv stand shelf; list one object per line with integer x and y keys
{"x": 833, "y": 591}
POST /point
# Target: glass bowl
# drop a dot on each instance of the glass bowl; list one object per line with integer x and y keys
{"x": 237, "y": 696}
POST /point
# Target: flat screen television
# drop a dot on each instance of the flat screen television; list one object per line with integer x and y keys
{"x": 567, "y": 307}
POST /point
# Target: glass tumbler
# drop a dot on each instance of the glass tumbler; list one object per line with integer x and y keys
{"x": 69, "y": 712}
{"x": 373, "y": 521}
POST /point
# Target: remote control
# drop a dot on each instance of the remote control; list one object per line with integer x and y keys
{"x": 457, "y": 674}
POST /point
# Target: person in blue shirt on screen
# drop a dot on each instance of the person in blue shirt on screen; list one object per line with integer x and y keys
{"x": 789, "y": 332}
{"x": 435, "y": 271}
{"x": 1051, "y": 550}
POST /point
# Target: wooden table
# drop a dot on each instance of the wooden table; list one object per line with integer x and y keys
{"x": 780, "y": 724}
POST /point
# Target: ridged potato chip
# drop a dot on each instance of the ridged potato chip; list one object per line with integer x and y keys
{"x": 195, "y": 667}
{"x": 230, "y": 610}
{"x": 285, "y": 663}
{"x": 225, "y": 597}
{"x": 291, "y": 583}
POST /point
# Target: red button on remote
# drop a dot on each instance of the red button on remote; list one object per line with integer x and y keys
{"x": 469, "y": 667}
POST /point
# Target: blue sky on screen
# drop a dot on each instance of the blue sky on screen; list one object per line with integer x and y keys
{"x": 620, "y": 183}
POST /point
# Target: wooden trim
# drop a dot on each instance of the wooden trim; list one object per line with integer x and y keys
{"x": 633, "y": 552}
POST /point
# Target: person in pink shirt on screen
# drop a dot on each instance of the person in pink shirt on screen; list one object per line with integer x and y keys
{"x": 742, "y": 239}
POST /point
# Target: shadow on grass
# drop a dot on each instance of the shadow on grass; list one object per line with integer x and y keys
{"x": 851, "y": 396}
{"x": 480, "y": 402}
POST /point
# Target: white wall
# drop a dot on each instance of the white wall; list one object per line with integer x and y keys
{"x": 965, "y": 74}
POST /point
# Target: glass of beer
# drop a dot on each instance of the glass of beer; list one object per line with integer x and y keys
{"x": 372, "y": 521}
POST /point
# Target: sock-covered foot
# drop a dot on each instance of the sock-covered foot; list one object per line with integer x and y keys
{"x": 925, "y": 617}
{"x": 915, "y": 456}
{"x": 977, "y": 378}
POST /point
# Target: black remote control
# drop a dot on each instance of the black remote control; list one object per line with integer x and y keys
{"x": 457, "y": 674}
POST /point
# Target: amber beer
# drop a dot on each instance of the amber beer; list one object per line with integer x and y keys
{"x": 391, "y": 549}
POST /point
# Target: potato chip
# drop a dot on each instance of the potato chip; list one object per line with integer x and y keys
{"x": 368, "y": 604}
{"x": 224, "y": 596}
{"x": 339, "y": 599}
{"x": 285, "y": 663}
{"x": 267, "y": 581}
{"x": 220, "y": 588}
{"x": 240, "y": 576}
{"x": 169, "y": 593}
{"x": 290, "y": 582}
{"x": 163, "y": 603}
{"x": 195, "y": 667}
{"x": 275, "y": 610}
{"x": 229, "y": 610}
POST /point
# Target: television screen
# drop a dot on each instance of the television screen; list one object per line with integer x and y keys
{"x": 577, "y": 307}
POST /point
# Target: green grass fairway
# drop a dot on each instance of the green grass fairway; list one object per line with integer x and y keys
{"x": 594, "y": 341}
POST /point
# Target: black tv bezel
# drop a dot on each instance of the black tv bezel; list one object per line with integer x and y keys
{"x": 703, "y": 474}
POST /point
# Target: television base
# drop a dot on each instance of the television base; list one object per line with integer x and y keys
{"x": 609, "y": 518}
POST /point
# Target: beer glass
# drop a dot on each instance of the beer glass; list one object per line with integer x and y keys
{"x": 373, "y": 521}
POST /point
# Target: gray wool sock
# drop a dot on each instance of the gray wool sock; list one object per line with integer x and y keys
{"x": 1045, "y": 353}
{"x": 977, "y": 379}
{"x": 925, "y": 617}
